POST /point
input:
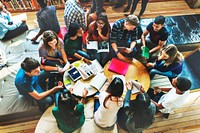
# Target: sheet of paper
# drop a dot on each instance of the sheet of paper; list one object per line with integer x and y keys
{"x": 92, "y": 45}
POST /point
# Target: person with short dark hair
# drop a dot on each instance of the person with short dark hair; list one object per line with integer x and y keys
{"x": 124, "y": 33}
{"x": 8, "y": 28}
{"x": 158, "y": 35}
{"x": 69, "y": 113}
{"x": 47, "y": 19}
{"x": 136, "y": 115}
{"x": 174, "y": 98}
{"x": 29, "y": 81}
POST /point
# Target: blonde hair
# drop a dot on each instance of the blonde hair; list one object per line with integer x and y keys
{"x": 49, "y": 36}
{"x": 174, "y": 54}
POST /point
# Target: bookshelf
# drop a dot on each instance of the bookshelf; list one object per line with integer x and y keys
{"x": 29, "y": 5}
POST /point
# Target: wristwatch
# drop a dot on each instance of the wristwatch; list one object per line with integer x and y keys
{"x": 116, "y": 51}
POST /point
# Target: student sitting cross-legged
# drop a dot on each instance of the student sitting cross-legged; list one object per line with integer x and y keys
{"x": 74, "y": 44}
{"x": 174, "y": 98}
{"x": 30, "y": 83}
{"x": 169, "y": 62}
{"x": 69, "y": 113}
{"x": 138, "y": 114}
{"x": 99, "y": 31}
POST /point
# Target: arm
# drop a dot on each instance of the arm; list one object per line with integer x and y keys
{"x": 160, "y": 45}
{"x": 145, "y": 33}
{"x": 159, "y": 106}
{"x": 64, "y": 55}
{"x": 82, "y": 58}
{"x": 39, "y": 96}
{"x": 84, "y": 94}
{"x": 50, "y": 68}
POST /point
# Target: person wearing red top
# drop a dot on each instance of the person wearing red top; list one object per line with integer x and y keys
{"x": 99, "y": 31}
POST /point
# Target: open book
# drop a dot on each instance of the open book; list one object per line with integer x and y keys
{"x": 98, "y": 81}
{"x": 87, "y": 71}
{"x": 99, "y": 46}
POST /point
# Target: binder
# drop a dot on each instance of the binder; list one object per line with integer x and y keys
{"x": 118, "y": 66}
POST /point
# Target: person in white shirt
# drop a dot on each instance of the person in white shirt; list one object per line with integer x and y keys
{"x": 174, "y": 98}
{"x": 110, "y": 99}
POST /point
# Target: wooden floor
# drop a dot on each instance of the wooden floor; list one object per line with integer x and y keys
{"x": 185, "y": 119}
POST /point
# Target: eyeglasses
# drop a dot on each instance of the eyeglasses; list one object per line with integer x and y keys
{"x": 100, "y": 23}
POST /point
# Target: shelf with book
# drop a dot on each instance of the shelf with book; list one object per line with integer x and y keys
{"x": 29, "y": 5}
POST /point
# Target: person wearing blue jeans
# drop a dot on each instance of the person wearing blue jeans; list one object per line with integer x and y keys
{"x": 169, "y": 62}
{"x": 97, "y": 5}
{"x": 30, "y": 80}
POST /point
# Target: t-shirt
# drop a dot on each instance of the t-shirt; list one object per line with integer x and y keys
{"x": 106, "y": 117}
{"x": 44, "y": 53}
{"x": 47, "y": 19}
{"x": 172, "y": 100}
{"x": 72, "y": 46}
{"x": 156, "y": 36}
{"x": 61, "y": 118}
{"x": 26, "y": 84}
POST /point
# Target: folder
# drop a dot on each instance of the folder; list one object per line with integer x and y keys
{"x": 145, "y": 52}
{"x": 118, "y": 66}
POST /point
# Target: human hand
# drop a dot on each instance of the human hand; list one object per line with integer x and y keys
{"x": 128, "y": 50}
{"x": 59, "y": 86}
{"x": 86, "y": 61}
{"x": 84, "y": 93}
{"x": 129, "y": 85}
{"x": 121, "y": 57}
{"x": 157, "y": 90}
{"x": 61, "y": 61}
{"x": 149, "y": 64}
{"x": 99, "y": 30}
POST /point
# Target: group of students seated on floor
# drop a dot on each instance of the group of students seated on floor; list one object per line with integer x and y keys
{"x": 132, "y": 116}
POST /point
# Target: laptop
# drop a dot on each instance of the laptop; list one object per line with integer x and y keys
{"x": 118, "y": 66}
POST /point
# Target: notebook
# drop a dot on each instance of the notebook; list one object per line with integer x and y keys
{"x": 118, "y": 66}
{"x": 145, "y": 52}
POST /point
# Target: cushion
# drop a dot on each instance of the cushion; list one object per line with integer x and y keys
{"x": 16, "y": 50}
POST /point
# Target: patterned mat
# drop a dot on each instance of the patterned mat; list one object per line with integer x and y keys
{"x": 182, "y": 29}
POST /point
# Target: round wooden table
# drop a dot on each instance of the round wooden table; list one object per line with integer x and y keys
{"x": 136, "y": 71}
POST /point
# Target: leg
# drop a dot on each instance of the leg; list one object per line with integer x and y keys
{"x": 128, "y": 6}
{"x": 45, "y": 103}
{"x": 120, "y": 4}
{"x": 156, "y": 97}
{"x": 135, "y": 2}
{"x": 93, "y": 6}
{"x": 99, "y": 6}
{"x": 143, "y": 7}
{"x": 13, "y": 33}
{"x": 84, "y": 54}
{"x": 169, "y": 74}
{"x": 42, "y": 79}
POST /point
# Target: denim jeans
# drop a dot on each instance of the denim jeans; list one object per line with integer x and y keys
{"x": 169, "y": 74}
{"x": 97, "y": 5}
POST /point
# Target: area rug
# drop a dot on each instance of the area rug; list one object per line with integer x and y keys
{"x": 183, "y": 29}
